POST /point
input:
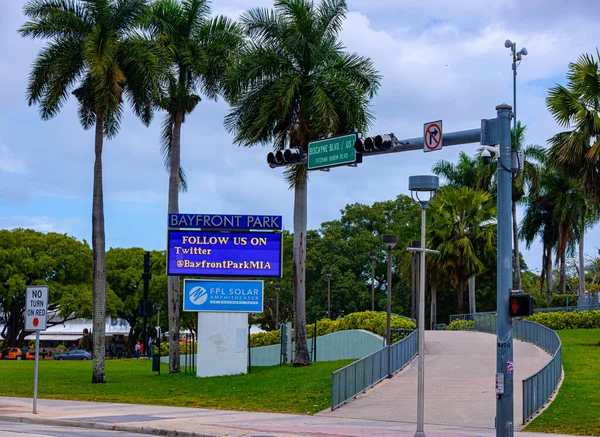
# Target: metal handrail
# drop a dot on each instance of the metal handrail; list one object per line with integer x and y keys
{"x": 355, "y": 378}
{"x": 540, "y": 386}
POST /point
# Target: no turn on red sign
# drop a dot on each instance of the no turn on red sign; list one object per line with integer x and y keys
{"x": 432, "y": 136}
{"x": 36, "y": 307}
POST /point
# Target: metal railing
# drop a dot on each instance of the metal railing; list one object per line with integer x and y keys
{"x": 353, "y": 379}
{"x": 540, "y": 386}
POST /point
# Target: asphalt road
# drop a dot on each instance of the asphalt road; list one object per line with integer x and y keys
{"x": 13, "y": 429}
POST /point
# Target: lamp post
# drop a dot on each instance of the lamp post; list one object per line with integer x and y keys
{"x": 328, "y": 272}
{"x": 389, "y": 241}
{"x": 425, "y": 186}
{"x": 373, "y": 255}
{"x": 516, "y": 57}
{"x": 277, "y": 287}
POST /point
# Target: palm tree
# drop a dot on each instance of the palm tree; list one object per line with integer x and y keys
{"x": 463, "y": 230}
{"x": 201, "y": 49}
{"x": 95, "y": 53}
{"x": 294, "y": 83}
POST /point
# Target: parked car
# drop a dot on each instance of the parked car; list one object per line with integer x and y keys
{"x": 75, "y": 354}
{"x": 12, "y": 353}
{"x": 30, "y": 355}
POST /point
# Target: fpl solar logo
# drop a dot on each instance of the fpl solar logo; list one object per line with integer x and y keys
{"x": 198, "y": 295}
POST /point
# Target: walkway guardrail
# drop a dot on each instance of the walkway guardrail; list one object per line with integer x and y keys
{"x": 540, "y": 386}
{"x": 348, "y": 382}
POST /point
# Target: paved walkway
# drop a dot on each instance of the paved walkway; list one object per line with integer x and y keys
{"x": 193, "y": 422}
{"x": 459, "y": 383}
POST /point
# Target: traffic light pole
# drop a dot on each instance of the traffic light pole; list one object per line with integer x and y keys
{"x": 504, "y": 337}
{"x": 492, "y": 132}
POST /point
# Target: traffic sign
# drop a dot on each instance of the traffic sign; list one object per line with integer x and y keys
{"x": 36, "y": 307}
{"x": 331, "y": 152}
{"x": 432, "y": 136}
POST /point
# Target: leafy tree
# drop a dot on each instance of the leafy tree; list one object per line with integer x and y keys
{"x": 463, "y": 230}
{"x": 95, "y": 53}
{"x": 467, "y": 172}
{"x": 293, "y": 84}
{"x": 64, "y": 264}
{"x": 201, "y": 49}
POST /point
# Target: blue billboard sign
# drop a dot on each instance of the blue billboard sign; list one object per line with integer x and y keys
{"x": 223, "y": 296}
{"x": 251, "y": 254}
{"x": 225, "y": 221}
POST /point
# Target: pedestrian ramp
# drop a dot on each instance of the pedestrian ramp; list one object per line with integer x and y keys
{"x": 460, "y": 368}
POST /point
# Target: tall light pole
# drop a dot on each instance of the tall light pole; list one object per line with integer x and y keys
{"x": 389, "y": 241}
{"x": 158, "y": 333}
{"x": 328, "y": 272}
{"x": 373, "y": 255}
{"x": 517, "y": 57}
{"x": 277, "y": 287}
{"x": 425, "y": 186}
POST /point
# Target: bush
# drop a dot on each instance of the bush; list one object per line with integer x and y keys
{"x": 568, "y": 320}
{"x": 164, "y": 348}
{"x": 560, "y": 300}
{"x": 368, "y": 320}
{"x": 461, "y": 325}
{"x": 61, "y": 348}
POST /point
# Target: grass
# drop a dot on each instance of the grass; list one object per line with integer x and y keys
{"x": 303, "y": 390}
{"x": 576, "y": 409}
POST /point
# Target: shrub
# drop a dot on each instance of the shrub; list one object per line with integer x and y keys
{"x": 560, "y": 300}
{"x": 61, "y": 348}
{"x": 568, "y": 320}
{"x": 368, "y": 320}
{"x": 461, "y": 325}
{"x": 192, "y": 347}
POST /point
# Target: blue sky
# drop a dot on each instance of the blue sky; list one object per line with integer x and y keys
{"x": 439, "y": 60}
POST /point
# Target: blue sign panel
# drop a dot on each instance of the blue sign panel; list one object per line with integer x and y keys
{"x": 225, "y": 221}
{"x": 196, "y": 253}
{"x": 223, "y": 296}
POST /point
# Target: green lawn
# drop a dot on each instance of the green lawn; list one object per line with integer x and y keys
{"x": 277, "y": 389}
{"x": 576, "y": 409}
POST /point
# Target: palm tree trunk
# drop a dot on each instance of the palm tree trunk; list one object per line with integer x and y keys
{"x": 174, "y": 293}
{"x": 516, "y": 258}
{"x": 562, "y": 285}
{"x": 302, "y": 357}
{"x": 581, "y": 262}
{"x": 460, "y": 296}
{"x": 471, "y": 285}
{"x": 549, "y": 276}
{"x": 99, "y": 256}
{"x": 433, "y": 311}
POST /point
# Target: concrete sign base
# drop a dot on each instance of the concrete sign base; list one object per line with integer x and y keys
{"x": 222, "y": 344}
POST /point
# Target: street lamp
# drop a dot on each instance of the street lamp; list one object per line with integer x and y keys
{"x": 389, "y": 241}
{"x": 277, "y": 287}
{"x": 422, "y": 186}
{"x": 328, "y": 272}
{"x": 373, "y": 255}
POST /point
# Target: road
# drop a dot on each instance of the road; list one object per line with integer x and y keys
{"x": 13, "y": 429}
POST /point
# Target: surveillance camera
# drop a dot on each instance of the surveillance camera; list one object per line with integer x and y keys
{"x": 486, "y": 156}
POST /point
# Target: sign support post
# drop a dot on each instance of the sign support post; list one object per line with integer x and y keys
{"x": 36, "y": 314}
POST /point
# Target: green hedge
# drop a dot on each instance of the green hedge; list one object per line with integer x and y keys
{"x": 461, "y": 325}
{"x": 368, "y": 320}
{"x": 568, "y": 319}
{"x": 164, "y": 348}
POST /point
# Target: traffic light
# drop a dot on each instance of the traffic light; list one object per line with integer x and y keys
{"x": 281, "y": 158}
{"x": 520, "y": 305}
{"x": 374, "y": 145}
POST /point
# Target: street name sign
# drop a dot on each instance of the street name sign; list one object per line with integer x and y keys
{"x": 331, "y": 152}
{"x": 432, "y": 136}
{"x": 36, "y": 307}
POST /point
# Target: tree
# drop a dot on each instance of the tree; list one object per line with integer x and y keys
{"x": 28, "y": 257}
{"x": 293, "y": 83}
{"x": 95, "y": 53}
{"x": 463, "y": 230}
{"x": 201, "y": 50}
{"x": 576, "y": 152}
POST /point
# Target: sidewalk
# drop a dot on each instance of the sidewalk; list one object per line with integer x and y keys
{"x": 193, "y": 422}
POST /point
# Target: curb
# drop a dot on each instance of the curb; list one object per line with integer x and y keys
{"x": 105, "y": 426}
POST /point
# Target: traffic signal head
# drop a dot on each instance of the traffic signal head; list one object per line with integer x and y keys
{"x": 285, "y": 157}
{"x": 373, "y": 145}
{"x": 520, "y": 305}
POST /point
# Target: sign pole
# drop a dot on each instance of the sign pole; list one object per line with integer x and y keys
{"x": 35, "y": 370}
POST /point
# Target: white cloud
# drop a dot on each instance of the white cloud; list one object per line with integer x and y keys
{"x": 39, "y": 223}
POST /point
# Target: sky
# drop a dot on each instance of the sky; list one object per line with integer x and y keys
{"x": 440, "y": 60}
